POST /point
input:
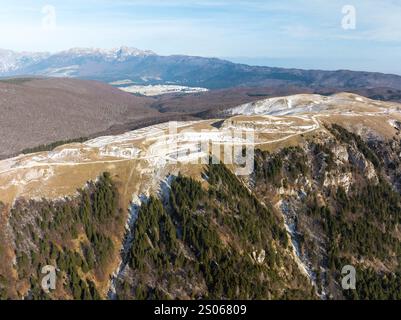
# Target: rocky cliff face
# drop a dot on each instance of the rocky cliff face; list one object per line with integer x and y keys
{"x": 324, "y": 194}
{"x": 341, "y": 204}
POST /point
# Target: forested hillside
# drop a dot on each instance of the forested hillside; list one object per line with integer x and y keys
{"x": 78, "y": 236}
{"x": 342, "y": 204}
{"x": 213, "y": 243}
{"x": 284, "y": 232}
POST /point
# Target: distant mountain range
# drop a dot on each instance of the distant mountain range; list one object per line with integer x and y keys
{"x": 146, "y": 67}
{"x": 11, "y": 61}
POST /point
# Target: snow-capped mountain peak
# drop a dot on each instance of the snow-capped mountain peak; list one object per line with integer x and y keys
{"x": 120, "y": 54}
{"x": 128, "y": 51}
{"x": 11, "y": 62}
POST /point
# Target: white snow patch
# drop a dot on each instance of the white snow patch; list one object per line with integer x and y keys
{"x": 156, "y": 90}
{"x": 283, "y": 105}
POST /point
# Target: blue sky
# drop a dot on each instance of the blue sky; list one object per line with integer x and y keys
{"x": 287, "y": 33}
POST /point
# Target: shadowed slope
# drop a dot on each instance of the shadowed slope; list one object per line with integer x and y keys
{"x": 40, "y": 111}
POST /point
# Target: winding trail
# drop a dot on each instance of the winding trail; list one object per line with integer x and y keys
{"x": 50, "y": 164}
{"x": 316, "y": 127}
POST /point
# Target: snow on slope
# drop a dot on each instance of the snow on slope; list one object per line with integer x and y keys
{"x": 62, "y": 72}
{"x": 11, "y": 61}
{"x": 150, "y": 150}
{"x": 155, "y": 90}
{"x": 118, "y": 54}
{"x": 283, "y": 105}
{"x": 304, "y": 103}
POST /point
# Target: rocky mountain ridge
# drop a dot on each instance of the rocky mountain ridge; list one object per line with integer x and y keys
{"x": 144, "y": 67}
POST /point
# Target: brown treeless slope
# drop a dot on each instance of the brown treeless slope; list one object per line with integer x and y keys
{"x": 41, "y": 111}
